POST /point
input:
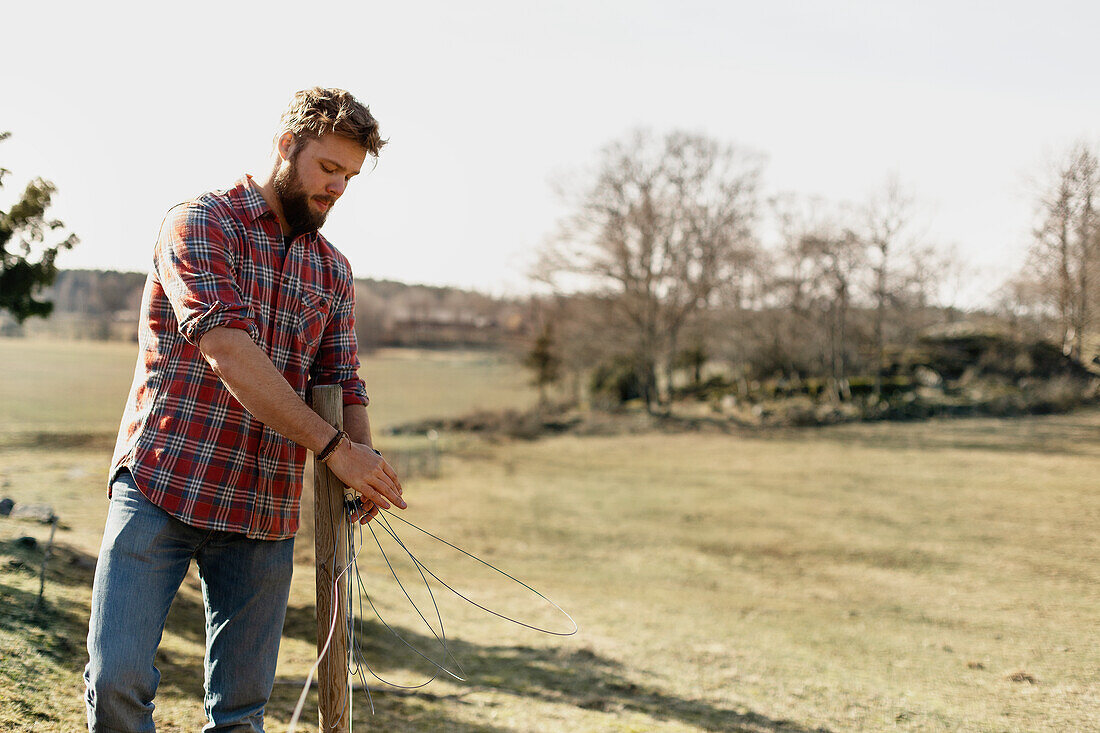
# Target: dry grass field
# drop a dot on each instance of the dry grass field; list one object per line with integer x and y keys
{"x": 933, "y": 576}
{"x": 79, "y": 387}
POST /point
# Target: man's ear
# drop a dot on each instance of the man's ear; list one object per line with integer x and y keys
{"x": 284, "y": 146}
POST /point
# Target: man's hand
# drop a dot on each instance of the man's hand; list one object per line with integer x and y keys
{"x": 369, "y": 475}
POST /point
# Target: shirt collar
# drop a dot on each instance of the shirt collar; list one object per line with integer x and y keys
{"x": 247, "y": 198}
{"x": 246, "y": 195}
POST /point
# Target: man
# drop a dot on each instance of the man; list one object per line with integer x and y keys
{"x": 246, "y": 306}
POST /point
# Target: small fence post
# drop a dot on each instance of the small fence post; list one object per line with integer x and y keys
{"x": 433, "y": 454}
{"x": 330, "y": 537}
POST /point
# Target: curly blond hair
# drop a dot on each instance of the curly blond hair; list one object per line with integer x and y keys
{"x": 322, "y": 111}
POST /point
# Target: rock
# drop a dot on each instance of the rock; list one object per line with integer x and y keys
{"x": 927, "y": 377}
{"x": 6, "y": 505}
{"x": 26, "y": 542}
{"x": 1022, "y": 676}
{"x": 38, "y": 512}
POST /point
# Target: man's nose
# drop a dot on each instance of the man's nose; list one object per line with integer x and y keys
{"x": 336, "y": 186}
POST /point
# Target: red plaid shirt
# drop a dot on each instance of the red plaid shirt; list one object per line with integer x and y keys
{"x": 192, "y": 448}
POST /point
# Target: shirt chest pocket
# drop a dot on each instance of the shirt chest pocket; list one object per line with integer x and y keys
{"x": 313, "y": 314}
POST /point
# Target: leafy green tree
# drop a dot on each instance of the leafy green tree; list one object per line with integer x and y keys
{"x": 26, "y": 234}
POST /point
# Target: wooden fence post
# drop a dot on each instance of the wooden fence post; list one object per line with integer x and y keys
{"x": 330, "y": 536}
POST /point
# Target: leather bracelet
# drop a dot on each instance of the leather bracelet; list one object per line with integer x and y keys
{"x": 333, "y": 444}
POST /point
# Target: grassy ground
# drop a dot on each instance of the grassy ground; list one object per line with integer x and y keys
{"x": 925, "y": 576}
{"x": 80, "y": 387}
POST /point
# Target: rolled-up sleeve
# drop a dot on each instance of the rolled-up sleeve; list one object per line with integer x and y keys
{"x": 194, "y": 262}
{"x": 337, "y": 359}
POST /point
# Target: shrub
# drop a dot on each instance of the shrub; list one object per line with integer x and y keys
{"x": 616, "y": 381}
{"x": 1060, "y": 394}
{"x": 713, "y": 388}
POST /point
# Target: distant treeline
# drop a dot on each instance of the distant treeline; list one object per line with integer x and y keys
{"x": 103, "y": 305}
{"x": 674, "y": 265}
{"x": 911, "y": 359}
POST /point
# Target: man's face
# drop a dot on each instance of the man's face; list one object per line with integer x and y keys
{"x": 313, "y": 174}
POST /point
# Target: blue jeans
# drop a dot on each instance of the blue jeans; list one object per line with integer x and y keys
{"x": 143, "y": 560}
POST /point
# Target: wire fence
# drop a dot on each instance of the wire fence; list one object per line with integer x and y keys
{"x": 415, "y": 462}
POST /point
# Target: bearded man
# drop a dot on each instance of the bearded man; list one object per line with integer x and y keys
{"x": 245, "y": 308}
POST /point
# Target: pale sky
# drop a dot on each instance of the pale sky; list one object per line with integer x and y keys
{"x": 132, "y": 107}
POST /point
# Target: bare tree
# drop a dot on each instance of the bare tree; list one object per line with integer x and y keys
{"x": 1066, "y": 251}
{"x": 936, "y": 278}
{"x": 824, "y": 260}
{"x": 715, "y": 210}
{"x": 662, "y": 223}
{"x": 1087, "y": 182}
{"x": 742, "y": 325}
{"x": 1024, "y": 304}
{"x": 887, "y": 221}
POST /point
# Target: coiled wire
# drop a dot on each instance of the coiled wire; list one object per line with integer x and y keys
{"x": 357, "y": 663}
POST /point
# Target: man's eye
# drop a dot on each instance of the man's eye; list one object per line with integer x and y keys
{"x": 326, "y": 169}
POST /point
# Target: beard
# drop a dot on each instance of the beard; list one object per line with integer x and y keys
{"x": 295, "y": 202}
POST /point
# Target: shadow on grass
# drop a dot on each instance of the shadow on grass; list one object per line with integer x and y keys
{"x": 182, "y": 677}
{"x": 391, "y": 712}
{"x": 57, "y": 630}
{"x": 580, "y": 678}
{"x": 67, "y": 566}
{"x": 59, "y": 623}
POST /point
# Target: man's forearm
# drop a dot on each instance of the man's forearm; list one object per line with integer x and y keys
{"x": 251, "y": 377}
{"x": 263, "y": 391}
{"x": 357, "y": 424}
